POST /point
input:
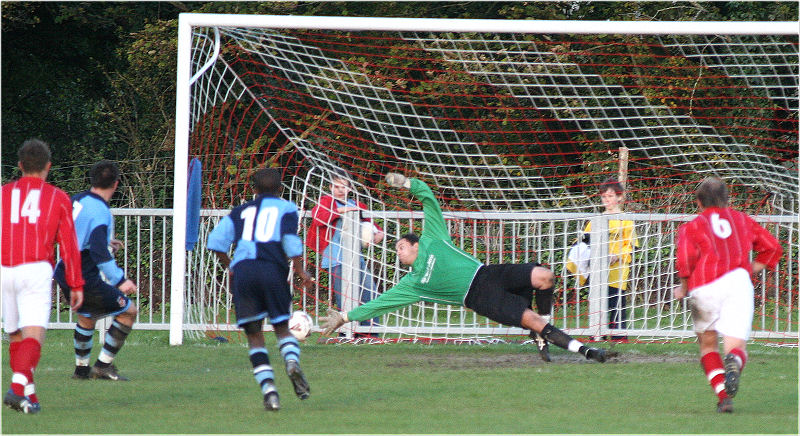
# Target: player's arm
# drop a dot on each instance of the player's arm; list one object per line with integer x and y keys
{"x": 220, "y": 240}
{"x": 767, "y": 247}
{"x": 68, "y": 248}
{"x": 686, "y": 252}
{"x": 397, "y": 297}
{"x": 293, "y": 247}
{"x": 98, "y": 251}
{"x": 434, "y": 225}
{"x": 685, "y": 259}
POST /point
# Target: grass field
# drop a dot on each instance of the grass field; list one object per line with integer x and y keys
{"x": 207, "y": 387}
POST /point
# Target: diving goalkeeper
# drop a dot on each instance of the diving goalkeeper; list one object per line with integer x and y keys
{"x": 442, "y": 273}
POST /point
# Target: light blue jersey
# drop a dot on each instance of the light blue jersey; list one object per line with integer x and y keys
{"x": 264, "y": 228}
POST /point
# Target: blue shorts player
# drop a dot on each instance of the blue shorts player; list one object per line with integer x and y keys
{"x": 106, "y": 288}
{"x": 264, "y": 232}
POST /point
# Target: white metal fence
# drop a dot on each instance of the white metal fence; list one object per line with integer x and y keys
{"x": 492, "y": 237}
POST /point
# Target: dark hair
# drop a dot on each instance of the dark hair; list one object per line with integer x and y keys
{"x": 34, "y": 155}
{"x": 340, "y": 174}
{"x": 712, "y": 192}
{"x": 410, "y": 237}
{"x": 613, "y": 184}
{"x": 267, "y": 181}
{"x": 103, "y": 174}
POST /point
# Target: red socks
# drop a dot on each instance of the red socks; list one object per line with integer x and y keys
{"x": 23, "y": 358}
{"x": 742, "y": 355}
{"x": 712, "y": 365}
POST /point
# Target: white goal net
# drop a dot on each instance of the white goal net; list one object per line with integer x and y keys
{"x": 515, "y": 125}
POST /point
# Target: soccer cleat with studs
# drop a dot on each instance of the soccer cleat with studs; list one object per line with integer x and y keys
{"x": 542, "y": 345}
{"x": 732, "y": 374}
{"x": 725, "y": 406}
{"x": 295, "y": 374}
{"x": 271, "y": 400}
{"x": 106, "y": 373}
{"x": 20, "y": 403}
{"x": 597, "y": 354}
{"x": 81, "y": 373}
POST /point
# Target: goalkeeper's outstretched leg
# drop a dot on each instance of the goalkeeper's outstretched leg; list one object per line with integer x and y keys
{"x": 536, "y": 323}
{"x": 544, "y": 303}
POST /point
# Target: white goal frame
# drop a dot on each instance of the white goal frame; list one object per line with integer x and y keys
{"x": 187, "y": 21}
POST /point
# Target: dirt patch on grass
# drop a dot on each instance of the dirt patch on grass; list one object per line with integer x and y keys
{"x": 468, "y": 360}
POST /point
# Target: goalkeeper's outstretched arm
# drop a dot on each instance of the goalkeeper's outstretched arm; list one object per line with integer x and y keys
{"x": 434, "y": 224}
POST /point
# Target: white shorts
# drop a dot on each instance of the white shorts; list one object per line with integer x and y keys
{"x": 724, "y": 305}
{"x": 27, "y": 295}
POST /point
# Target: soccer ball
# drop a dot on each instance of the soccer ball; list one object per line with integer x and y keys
{"x": 300, "y": 325}
{"x": 367, "y": 233}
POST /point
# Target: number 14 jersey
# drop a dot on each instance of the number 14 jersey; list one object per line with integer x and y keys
{"x": 36, "y": 215}
{"x": 719, "y": 240}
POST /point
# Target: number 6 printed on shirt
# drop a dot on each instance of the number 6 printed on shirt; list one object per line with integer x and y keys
{"x": 720, "y": 226}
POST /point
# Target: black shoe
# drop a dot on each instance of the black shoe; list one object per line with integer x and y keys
{"x": 725, "y": 406}
{"x": 20, "y": 403}
{"x": 542, "y": 345}
{"x": 732, "y": 374}
{"x": 106, "y": 373}
{"x": 81, "y": 373}
{"x": 597, "y": 354}
{"x": 295, "y": 374}
{"x": 271, "y": 400}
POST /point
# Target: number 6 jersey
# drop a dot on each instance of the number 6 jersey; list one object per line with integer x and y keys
{"x": 720, "y": 240}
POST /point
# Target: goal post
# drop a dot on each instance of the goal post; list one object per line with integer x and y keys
{"x": 504, "y": 118}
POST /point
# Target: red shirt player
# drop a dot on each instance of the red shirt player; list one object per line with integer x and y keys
{"x": 714, "y": 266}
{"x": 35, "y": 216}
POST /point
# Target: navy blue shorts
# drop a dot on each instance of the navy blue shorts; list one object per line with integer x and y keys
{"x": 261, "y": 290}
{"x": 502, "y": 292}
{"x": 99, "y": 298}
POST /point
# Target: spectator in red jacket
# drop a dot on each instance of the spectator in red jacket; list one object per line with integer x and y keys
{"x": 325, "y": 234}
{"x": 714, "y": 267}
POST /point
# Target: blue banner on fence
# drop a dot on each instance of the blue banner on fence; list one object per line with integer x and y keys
{"x": 193, "y": 203}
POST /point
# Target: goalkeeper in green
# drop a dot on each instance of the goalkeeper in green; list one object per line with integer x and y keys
{"x": 442, "y": 273}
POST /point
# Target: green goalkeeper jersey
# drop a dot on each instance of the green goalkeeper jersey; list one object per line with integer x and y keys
{"x": 442, "y": 272}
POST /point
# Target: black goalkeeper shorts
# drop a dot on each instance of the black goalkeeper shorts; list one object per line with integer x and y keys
{"x": 502, "y": 292}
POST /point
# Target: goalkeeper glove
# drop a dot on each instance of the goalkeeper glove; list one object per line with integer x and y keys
{"x": 333, "y": 321}
{"x": 397, "y": 180}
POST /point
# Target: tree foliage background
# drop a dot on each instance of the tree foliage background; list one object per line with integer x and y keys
{"x": 97, "y": 80}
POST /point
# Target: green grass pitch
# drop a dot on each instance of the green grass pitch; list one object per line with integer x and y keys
{"x": 207, "y": 387}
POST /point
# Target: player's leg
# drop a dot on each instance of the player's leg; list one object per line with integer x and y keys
{"x": 290, "y": 351}
{"x": 259, "y": 358}
{"x": 123, "y": 311}
{"x": 704, "y": 305}
{"x": 83, "y": 340}
{"x": 278, "y": 298}
{"x": 543, "y": 294}
{"x": 735, "y": 325}
{"x": 495, "y": 293}
{"x": 250, "y": 302}
{"x": 557, "y": 337}
{"x": 712, "y": 366}
{"x": 33, "y": 301}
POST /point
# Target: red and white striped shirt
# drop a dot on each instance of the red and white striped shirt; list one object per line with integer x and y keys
{"x": 36, "y": 214}
{"x": 720, "y": 240}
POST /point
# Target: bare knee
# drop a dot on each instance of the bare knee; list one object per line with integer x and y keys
{"x": 542, "y": 278}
